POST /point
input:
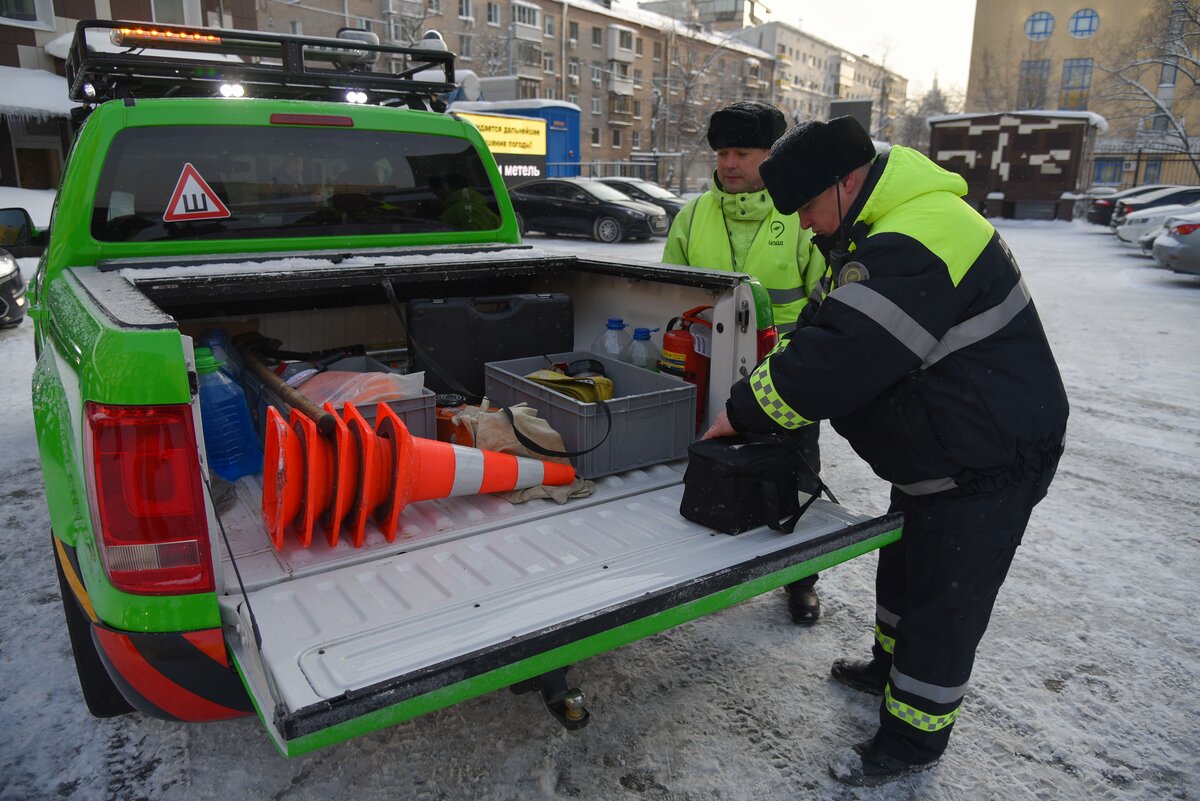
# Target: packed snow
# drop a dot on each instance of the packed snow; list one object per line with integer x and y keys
{"x": 1087, "y": 684}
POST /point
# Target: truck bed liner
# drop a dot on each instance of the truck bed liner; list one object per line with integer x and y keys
{"x": 481, "y": 597}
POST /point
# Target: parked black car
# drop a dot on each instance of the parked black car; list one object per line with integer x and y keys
{"x": 585, "y": 206}
{"x": 1100, "y": 210}
{"x": 641, "y": 189}
{"x": 16, "y": 232}
{"x": 1148, "y": 200}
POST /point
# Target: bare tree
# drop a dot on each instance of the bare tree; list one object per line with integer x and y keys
{"x": 492, "y": 53}
{"x": 700, "y": 77}
{"x": 1153, "y": 75}
{"x": 407, "y": 19}
{"x": 994, "y": 89}
{"x": 911, "y": 126}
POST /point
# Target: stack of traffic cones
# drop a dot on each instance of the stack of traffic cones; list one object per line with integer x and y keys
{"x": 360, "y": 473}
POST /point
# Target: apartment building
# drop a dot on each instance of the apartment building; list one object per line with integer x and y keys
{"x": 644, "y": 83}
{"x": 712, "y": 15}
{"x": 34, "y": 39}
{"x": 1056, "y": 55}
{"x": 811, "y": 72}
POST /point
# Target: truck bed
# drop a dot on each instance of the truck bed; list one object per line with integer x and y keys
{"x": 476, "y": 585}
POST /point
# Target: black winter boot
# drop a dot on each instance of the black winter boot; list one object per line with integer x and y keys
{"x": 865, "y": 765}
{"x": 803, "y": 603}
{"x": 861, "y": 674}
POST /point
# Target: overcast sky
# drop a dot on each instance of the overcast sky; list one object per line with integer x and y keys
{"x": 916, "y": 38}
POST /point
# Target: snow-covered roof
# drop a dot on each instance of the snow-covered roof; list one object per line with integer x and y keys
{"x": 629, "y": 12}
{"x": 34, "y": 93}
{"x": 500, "y": 106}
{"x": 1095, "y": 119}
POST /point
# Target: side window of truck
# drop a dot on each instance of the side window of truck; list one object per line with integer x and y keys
{"x": 232, "y": 182}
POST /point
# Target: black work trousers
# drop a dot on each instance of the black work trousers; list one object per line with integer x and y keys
{"x": 935, "y": 588}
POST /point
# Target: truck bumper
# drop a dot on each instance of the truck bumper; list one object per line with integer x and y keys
{"x": 184, "y": 676}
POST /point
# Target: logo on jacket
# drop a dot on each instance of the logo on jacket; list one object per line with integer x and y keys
{"x": 852, "y": 272}
{"x": 777, "y": 228}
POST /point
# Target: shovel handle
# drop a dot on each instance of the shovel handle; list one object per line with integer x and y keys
{"x": 288, "y": 394}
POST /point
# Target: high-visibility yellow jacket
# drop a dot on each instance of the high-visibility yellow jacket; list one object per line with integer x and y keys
{"x": 927, "y": 353}
{"x": 744, "y": 232}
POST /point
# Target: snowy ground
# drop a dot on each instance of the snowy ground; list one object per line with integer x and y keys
{"x": 1087, "y": 685}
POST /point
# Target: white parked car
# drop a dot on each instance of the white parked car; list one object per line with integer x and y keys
{"x": 1139, "y": 222}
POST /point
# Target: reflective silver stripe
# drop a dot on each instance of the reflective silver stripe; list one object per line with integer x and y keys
{"x": 883, "y": 615}
{"x": 530, "y": 473}
{"x": 982, "y": 325}
{"x": 782, "y": 297}
{"x": 913, "y": 335}
{"x": 927, "y": 487}
{"x": 887, "y": 314}
{"x": 817, "y": 294}
{"x": 932, "y": 692}
{"x": 786, "y": 328}
{"x": 468, "y": 471}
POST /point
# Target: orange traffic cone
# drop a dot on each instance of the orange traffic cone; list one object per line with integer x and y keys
{"x": 375, "y": 463}
{"x": 363, "y": 472}
{"x": 283, "y": 476}
{"x": 345, "y": 479}
{"x": 423, "y": 469}
{"x": 429, "y": 468}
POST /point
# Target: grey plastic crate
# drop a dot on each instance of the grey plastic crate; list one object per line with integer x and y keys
{"x": 653, "y": 415}
{"x": 417, "y": 413}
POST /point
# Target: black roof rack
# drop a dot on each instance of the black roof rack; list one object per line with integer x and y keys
{"x": 268, "y": 65}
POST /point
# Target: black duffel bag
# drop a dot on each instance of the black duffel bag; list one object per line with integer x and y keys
{"x": 734, "y": 484}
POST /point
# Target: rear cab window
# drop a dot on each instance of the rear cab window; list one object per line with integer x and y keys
{"x": 242, "y": 182}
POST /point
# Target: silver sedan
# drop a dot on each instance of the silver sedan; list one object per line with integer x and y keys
{"x": 1178, "y": 246}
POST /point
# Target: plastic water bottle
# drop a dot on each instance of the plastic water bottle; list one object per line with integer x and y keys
{"x": 229, "y": 438}
{"x": 613, "y": 340}
{"x": 641, "y": 351}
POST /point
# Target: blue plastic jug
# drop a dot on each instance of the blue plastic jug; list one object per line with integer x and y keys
{"x": 233, "y": 449}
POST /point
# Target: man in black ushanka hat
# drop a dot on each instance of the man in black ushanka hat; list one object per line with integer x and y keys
{"x": 928, "y": 355}
{"x": 734, "y": 226}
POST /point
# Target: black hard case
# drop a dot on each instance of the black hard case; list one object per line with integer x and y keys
{"x": 460, "y": 335}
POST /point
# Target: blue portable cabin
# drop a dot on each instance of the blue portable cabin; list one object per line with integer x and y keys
{"x": 562, "y": 128}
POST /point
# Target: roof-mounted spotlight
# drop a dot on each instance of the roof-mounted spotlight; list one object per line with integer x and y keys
{"x": 232, "y": 90}
{"x": 355, "y": 96}
{"x": 89, "y": 90}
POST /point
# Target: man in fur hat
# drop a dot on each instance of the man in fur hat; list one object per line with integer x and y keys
{"x": 928, "y": 356}
{"x": 733, "y": 226}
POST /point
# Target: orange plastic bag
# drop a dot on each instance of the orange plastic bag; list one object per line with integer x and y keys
{"x": 361, "y": 389}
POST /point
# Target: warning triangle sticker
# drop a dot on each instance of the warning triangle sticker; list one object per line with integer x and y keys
{"x": 194, "y": 199}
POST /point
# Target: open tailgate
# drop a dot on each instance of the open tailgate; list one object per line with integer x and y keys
{"x": 371, "y": 644}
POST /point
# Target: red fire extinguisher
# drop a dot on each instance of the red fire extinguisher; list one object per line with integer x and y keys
{"x": 687, "y": 346}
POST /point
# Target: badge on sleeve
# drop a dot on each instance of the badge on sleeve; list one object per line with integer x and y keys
{"x": 852, "y": 272}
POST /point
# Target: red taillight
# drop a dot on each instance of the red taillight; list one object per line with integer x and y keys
{"x": 1103, "y": 202}
{"x": 1184, "y": 229}
{"x": 336, "y": 120}
{"x": 147, "y": 500}
{"x": 768, "y": 338}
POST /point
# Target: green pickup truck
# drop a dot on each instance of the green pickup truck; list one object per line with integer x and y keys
{"x": 285, "y": 186}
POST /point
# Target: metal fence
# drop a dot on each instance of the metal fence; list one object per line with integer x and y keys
{"x": 1124, "y": 169}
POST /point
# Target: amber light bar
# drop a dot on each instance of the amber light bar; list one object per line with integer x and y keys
{"x": 132, "y": 37}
